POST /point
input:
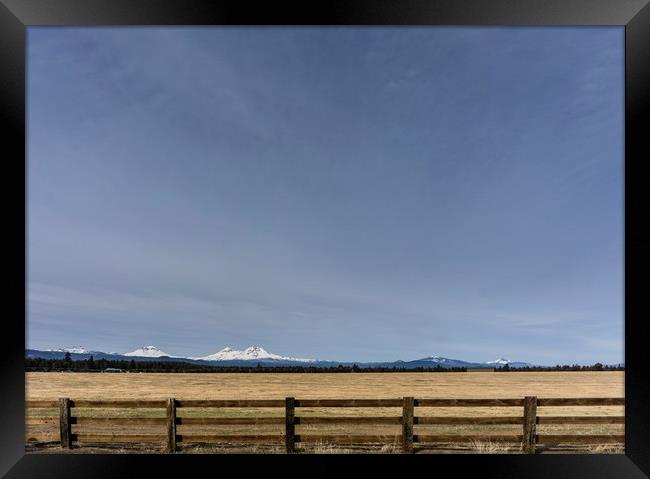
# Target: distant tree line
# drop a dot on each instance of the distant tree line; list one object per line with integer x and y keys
{"x": 98, "y": 365}
{"x": 565, "y": 367}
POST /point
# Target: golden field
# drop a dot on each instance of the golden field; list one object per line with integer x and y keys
{"x": 323, "y": 385}
{"x": 358, "y": 385}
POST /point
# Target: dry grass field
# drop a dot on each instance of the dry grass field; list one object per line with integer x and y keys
{"x": 323, "y": 385}
{"x": 46, "y": 386}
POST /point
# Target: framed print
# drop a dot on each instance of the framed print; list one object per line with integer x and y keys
{"x": 277, "y": 233}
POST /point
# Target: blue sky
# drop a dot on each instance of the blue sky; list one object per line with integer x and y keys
{"x": 337, "y": 193}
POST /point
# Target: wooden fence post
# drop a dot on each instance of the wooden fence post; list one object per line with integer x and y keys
{"x": 171, "y": 425}
{"x": 530, "y": 424}
{"x": 407, "y": 424}
{"x": 64, "y": 423}
{"x": 289, "y": 424}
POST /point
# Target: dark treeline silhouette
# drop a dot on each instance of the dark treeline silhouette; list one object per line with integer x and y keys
{"x": 565, "y": 367}
{"x": 99, "y": 365}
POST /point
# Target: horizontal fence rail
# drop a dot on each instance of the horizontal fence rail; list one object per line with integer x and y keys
{"x": 348, "y": 403}
{"x": 162, "y": 429}
{"x": 468, "y": 402}
{"x": 118, "y": 404}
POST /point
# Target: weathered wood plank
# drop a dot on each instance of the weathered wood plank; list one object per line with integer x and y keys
{"x": 580, "y": 419}
{"x": 111, "y": 438}
{"x": 32, "y": 420}
{"x": 467, "y": 438}
{"x": 119, "y": 421}
{"x": 348, "y": 403}
{"x": 171, "y": 425}
{"x": 407, "y": 424}
{"x": 230, "y": 438}
{"x": 349, "y": 438}
{"x": 290, "y": 428}
{"x": 224, "y": 421}
{"x": 42, "y": 437}
{"x": 118, "y": 404}
{"x": 303, "y": 420}
{"x": 230, "y": 403}
{"x": 529, "y": 426}
{"x": 581, "y": 438}
{"x": 468, "y": 402}
{"x": 54, "y": 403}
{"x": 581, "y": 401}
{"x": 64, "y": 423}
{"x": 468, "y": 420}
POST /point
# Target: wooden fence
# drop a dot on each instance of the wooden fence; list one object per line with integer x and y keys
{"x": 528, "y": 419}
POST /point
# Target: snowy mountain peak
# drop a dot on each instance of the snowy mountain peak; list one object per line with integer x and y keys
{"x": 250, "y": 353}
{"x": 500, "y": 361}
{"x": 74, "y": 349}
{"x": 256, "y": 352}
{"x": 436, "y": 359}
{"x": 147, "y": 351}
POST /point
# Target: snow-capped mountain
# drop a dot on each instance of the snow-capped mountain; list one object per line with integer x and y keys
{"x": 74, "y": 349}
{"x": 502, "y": 362}
{"x": 148, "y": 351}
{"x": 459, "y": 363}
{"x": 254, "y": 354}
{"x": 446, "y": 362}
{"x": 438, "y": 359}
{"x": 251, "y": 353}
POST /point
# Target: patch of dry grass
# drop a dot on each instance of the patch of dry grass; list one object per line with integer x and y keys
{"x": 488, "y": 447}
{"x": 322, "y": 448}
{"x": 607, "y": 449}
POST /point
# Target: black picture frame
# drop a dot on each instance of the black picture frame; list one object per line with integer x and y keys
{"x": 634, "y": 15}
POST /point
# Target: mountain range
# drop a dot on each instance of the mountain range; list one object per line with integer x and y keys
{"x": 256, "y": 354}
